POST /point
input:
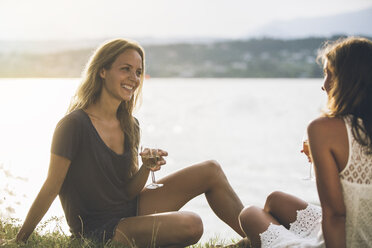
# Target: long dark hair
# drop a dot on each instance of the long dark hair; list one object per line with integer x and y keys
{"x": 349, "y": 61}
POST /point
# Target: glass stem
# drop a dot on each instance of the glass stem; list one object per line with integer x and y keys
{"x": 153, "y": 177}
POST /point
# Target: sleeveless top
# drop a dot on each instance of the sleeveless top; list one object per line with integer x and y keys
{"x": 356, "y": 181}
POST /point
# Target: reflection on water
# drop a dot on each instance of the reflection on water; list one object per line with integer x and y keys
{"x": 253, "y": 127}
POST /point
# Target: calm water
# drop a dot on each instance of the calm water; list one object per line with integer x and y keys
{"x": 253, "y": 127}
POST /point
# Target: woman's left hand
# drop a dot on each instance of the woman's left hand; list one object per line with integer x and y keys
{"x": 161, "y": 161}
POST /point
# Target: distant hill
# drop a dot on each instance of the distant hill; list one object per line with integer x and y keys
{"x": 352, "y": 23}
{"x": 254, "y": 58}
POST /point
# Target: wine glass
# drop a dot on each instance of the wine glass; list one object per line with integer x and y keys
{"x": 150, "y": 157}
{"x": 306, "y": 150}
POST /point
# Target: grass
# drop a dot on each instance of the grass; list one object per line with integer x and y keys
{"x": 56, "y": 238}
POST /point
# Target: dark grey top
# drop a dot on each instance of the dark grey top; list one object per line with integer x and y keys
{"x": 93, "y": 189}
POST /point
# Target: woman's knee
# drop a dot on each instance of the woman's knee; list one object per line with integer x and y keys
{"x": 273, "y": 200}
{"x": 192, "y": 227}
{"x": 248, "y": 214}
{"x": 214, "y": 169}
{"x": 253, "y": 221}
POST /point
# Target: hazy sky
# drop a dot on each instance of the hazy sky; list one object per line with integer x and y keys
{"x": 75, "y": 19}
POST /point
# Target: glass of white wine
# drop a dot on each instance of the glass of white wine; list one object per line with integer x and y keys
{"x": 306, "y": 151}
{"x": 150, "y": 158}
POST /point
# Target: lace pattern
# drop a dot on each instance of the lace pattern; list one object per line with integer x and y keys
{"x": 306, "y": 221}
{"x": 356, "y": 181}
{"x": 272, "y": 234}
{"x": 359, "y": 167}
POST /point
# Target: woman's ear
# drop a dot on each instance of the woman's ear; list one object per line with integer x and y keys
{"x": 102, "y": 73}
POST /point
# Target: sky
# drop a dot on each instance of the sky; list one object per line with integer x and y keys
{"x": 95, "y": 19}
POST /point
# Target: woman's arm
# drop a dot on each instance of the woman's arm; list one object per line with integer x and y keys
{"x": 324, "y": 138}
{"x": 58, "y": 168}
{"x": 137, "y": 182}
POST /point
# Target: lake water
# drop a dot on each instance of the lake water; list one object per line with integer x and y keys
{"x": 253, "y": 127}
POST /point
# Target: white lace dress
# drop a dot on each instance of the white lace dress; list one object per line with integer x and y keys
{"x": 356, "y": 181}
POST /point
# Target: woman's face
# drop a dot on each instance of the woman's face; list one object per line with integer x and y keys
{"x": 124, "y": 75}
{"x": 327, "y": 83}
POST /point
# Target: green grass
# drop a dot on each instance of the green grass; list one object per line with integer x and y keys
{"x": 56, "y": 238}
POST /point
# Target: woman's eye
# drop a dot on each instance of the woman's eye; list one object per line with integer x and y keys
{"x": 124, "y": 68}
{"x": 139, "y": 73}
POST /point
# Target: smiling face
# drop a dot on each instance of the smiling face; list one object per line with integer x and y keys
{"x": 124, "y": 76}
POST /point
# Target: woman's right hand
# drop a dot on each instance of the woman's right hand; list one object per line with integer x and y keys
{"x": 306, "y": 150}
{"x": 147, "y": 156}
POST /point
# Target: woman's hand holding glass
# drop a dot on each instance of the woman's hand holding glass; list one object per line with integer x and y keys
{"x": 153, "y": 159}
{"x": 306, "y": 151}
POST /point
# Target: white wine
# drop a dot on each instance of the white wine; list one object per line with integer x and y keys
{"x": 150, "y": 160}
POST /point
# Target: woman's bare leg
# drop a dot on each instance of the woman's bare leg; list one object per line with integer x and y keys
{"x": 183, "y": 185}
{"x": 172, "y": 229}
{"x": 280, "y": 208}
{"x": 254, "y": 221}
{"x": 284, "y": 207}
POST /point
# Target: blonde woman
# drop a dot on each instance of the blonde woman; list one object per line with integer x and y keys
{"x": 341, "y": 149}
{"x": 95, "y": 171}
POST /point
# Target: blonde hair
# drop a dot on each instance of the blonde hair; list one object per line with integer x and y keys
{"x": 90, "y": 88}
{"x": 349, "y": 61}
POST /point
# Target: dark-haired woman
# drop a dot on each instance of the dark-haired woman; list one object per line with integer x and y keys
{"x": 341, "y": 150}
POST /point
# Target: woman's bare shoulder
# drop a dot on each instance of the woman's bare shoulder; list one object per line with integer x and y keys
{"x": 326, "y": 125}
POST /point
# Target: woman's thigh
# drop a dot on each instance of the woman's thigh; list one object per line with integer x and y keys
{"x": 284, "y": 207}
{"x": 166, "y": 229}
{"x": 179, "y": 188}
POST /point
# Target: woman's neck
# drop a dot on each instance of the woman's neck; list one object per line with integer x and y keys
{"x": 104, "y": 108}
